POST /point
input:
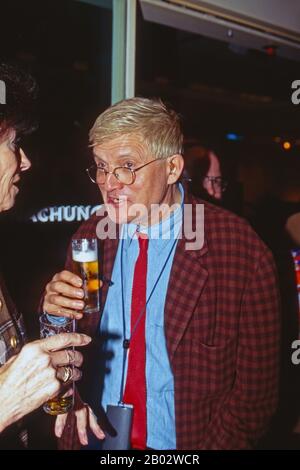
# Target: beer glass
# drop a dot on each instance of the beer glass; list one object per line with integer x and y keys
{"x": 59, "y": 404}
{"x": 85, "y": 263}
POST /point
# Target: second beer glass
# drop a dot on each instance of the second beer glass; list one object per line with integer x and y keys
{"x": 61, "y": 403}
{"x": 85, "y": 262}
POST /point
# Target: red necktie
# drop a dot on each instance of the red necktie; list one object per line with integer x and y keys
{"x": 135, "y": 389}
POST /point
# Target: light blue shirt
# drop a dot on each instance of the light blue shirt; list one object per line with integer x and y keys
{"x": 161, "y": 430}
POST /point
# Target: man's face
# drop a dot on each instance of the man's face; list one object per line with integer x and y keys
{"x": 149, "y": 187}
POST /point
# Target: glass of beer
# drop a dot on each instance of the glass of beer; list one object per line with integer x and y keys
{"x": 85, "y": 263}
{"x": 61, "y": 403}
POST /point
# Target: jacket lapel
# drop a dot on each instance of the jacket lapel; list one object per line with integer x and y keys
{"x": 187, "y": 280}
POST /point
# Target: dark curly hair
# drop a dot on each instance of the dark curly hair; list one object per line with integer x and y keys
{"x": 18, "y": 111}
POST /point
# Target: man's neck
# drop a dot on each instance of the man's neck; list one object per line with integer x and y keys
{"x": 162, "y": 211}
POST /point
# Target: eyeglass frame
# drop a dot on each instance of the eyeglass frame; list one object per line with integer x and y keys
{"x": 222, "y": 183}
{"x": 133, "y": 171}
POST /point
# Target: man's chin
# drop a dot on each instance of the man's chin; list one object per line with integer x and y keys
{"x": 117, "y": 216}
{"x": 125, "y": 214}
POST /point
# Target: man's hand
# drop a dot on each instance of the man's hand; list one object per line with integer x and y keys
{"x": 85, "y": 418}
{"x": 64, "y": 296}
{"x": 31, "y": 378}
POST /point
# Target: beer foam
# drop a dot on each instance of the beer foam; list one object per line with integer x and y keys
{"x": 84, "y": 256}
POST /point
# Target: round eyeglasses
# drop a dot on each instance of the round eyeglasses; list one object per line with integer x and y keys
{"x": 123, "y": 174}
{"x": 217, "y": 182}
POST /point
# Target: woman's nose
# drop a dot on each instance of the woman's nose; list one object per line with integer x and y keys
{"x": 25, "y": 162}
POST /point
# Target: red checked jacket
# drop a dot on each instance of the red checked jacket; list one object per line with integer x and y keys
{"x": 222, "y": 331}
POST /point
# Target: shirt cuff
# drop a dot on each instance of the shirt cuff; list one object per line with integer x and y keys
{"x": 55, "y": 320}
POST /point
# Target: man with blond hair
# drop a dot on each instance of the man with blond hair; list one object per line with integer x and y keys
{"x": 187, "y": 334}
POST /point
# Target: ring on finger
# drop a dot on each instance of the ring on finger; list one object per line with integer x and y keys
{"x": 67, "y": 374}
{"x": 70, "y": 357}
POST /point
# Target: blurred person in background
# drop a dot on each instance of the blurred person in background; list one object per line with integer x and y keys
{"x": 277, "y": 220}
{"x": 203, "y": 167}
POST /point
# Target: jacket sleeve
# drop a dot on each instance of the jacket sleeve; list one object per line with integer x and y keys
{"x": 245, "y": 414}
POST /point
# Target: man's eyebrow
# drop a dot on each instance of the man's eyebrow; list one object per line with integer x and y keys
{"x": 119, "y": 157}
{"x": 97, "y": 157}
{"x": 127, "y": 154}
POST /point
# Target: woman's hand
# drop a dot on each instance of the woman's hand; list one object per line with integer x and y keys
{"x": 32, "y": 377}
